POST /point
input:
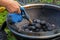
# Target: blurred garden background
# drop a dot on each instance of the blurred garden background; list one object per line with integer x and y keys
{"x": 4, "y": 12}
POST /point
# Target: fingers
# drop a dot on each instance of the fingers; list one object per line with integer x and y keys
{"x": 18, "y": 9}
{"x": 17, "y": 3}
{"x": 13, "y": 6}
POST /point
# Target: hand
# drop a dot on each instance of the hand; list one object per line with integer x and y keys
{"x": 12, "y": 6}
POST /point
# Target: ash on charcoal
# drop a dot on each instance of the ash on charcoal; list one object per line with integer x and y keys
{"x": 19, "y": 25}
{"x": 32, "y": 27}
{"x": 36, "y": 21}
{"x": 38, "y": 26}
{"x": 43, "y": 23}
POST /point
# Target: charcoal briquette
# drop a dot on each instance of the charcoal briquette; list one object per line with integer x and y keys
{"x": 38, "y": 21}
{"x": 27, "y": 30}
{"x": 37, "y": 30}
{"x": 53, "y": 26}
{"x": 32, "y": 27}
{"x": 25, "y": 26}
{"x": 34, "y": 20}
{"x": 50, "y": 28}
{"x": 38, "y": 25}
{"x": 43, "y": 23}
{"x": 30, "y": 31}
{"x": 44, "y": 28}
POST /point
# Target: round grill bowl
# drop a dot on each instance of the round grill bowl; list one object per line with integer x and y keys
{"x": 47, "y": 12}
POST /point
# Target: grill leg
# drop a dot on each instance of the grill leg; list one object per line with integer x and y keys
{"x": 4, "y": 25}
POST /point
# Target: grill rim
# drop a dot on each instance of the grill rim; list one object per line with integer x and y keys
{"x": 35, "y": 37}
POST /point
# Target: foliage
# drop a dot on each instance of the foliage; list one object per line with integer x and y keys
{"x": 3, "y": 16}
{"x": 2, "y": 9}
{"x": 58, "y": 2}
{"x": 10, "y": 35}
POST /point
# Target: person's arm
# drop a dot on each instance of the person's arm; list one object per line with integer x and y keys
{"x": 3, "y": 2}
{"x": 11, "y": 5}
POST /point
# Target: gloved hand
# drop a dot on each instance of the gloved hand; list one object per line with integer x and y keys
{"x": 14, "y": 17}
{"x": 11, "y": 5}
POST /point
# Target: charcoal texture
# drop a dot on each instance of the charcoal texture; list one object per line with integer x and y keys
{"x": 37, "y": 26}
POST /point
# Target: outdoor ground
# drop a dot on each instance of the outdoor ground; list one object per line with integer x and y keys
{"x": 3, "y": 18}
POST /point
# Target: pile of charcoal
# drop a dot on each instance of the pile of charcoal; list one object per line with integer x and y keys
{"x": 38, "y": 26}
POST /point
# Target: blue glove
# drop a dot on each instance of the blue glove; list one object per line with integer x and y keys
{"x": 14, "y": 17}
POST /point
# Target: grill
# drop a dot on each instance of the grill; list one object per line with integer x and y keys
{"x": 47, "y": 12}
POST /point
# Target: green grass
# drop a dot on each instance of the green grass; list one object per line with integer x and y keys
{"x": 58, "y": 2}
{"x": 46, "y": 1}
{"x": 3, "y": 17}
{"x": 10, "y": 35}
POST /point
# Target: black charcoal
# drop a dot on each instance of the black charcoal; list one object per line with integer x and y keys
{"x": 32, "y": 27}
{"x": 38, "y": 26}
{"x": 36, "y": 21}
{"x": 37, "y": 30}
{"x": 43, "y": 23}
